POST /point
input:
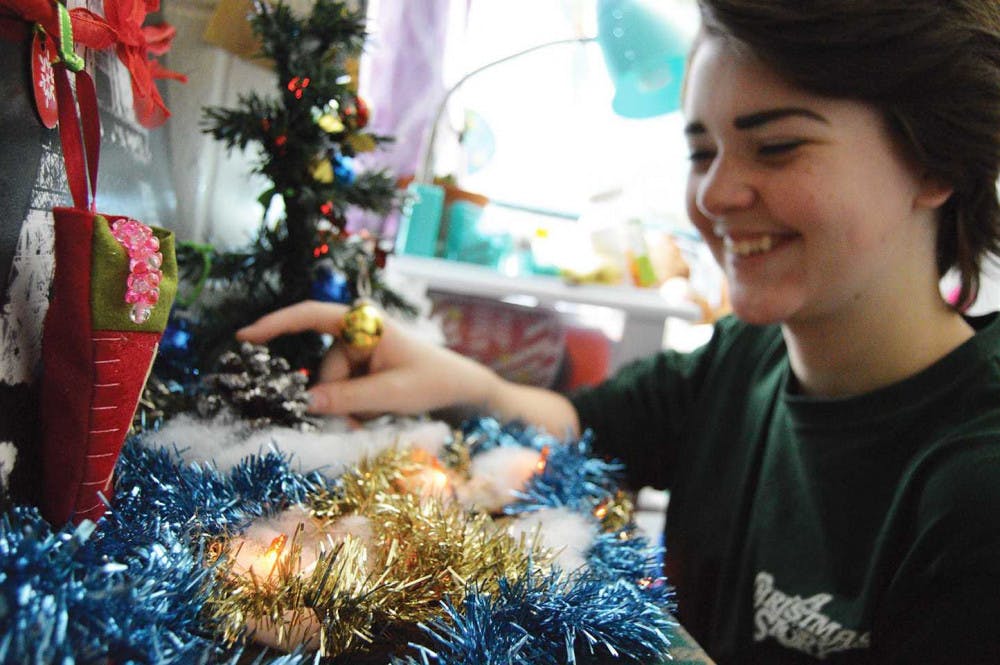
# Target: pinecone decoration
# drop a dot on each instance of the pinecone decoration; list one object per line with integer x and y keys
{"x": 160, "y": 401}
{"x": 257, "y": 387}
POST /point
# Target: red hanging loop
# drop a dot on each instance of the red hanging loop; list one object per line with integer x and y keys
{"x": 80, "y": 134}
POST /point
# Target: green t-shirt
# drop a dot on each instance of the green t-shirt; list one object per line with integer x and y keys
{"x": 864, "y": 529}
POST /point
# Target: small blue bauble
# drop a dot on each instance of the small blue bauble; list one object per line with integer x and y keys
{"x": 176, "y": 337}
{"x": 331, "y": 286}
{"x": 343, "y": 169}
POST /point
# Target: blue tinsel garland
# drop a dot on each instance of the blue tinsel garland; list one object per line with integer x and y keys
{"x": 131, "y": 589}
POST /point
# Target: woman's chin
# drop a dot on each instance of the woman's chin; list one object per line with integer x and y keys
{"x": 759, "y": 312}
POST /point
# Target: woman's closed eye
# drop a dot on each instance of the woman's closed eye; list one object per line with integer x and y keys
{"x": 779, "y": 148}
{"x": 701, "y": 158}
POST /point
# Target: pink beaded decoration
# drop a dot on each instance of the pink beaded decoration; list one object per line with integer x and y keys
{"x": 144, "y": 260}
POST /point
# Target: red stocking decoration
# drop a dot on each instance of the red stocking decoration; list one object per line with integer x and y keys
{"x": 114, "y": 282}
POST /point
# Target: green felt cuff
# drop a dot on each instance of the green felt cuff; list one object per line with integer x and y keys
{"x": 109, "y": 273}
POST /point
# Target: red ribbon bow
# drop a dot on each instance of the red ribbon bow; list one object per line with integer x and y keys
{"x": 122, "y": 28}
{"x": 89, "y": 29}
{"x": 135, "y": 44}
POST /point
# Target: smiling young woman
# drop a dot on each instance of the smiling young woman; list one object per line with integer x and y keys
{"x": 820, "y": 221}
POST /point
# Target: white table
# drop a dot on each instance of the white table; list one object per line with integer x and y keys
{"x": 646, "y": 312}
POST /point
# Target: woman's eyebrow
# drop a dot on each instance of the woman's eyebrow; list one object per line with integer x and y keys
{"x": 758, "y": 118}
{"x": 694, "y": 128}
{"x": 752, "y": 120}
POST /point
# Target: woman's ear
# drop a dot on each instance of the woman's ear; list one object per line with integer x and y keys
{"x": 933, "y": 192}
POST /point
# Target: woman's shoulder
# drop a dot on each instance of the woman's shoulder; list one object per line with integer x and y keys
{"x": 959, "y": 484}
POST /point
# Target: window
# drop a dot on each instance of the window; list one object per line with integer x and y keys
{"x": 539, "y": 132}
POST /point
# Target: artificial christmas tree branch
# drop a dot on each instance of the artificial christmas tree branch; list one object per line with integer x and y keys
{"x": 306, "y": 136}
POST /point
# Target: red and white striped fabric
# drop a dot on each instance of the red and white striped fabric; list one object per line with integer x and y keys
{"x": 521, "y": 344}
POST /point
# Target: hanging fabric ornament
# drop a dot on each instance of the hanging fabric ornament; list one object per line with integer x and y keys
{"x": 42, "y": 56}
{"x": 114, "y": 282}
{"x": 363, "y": 323}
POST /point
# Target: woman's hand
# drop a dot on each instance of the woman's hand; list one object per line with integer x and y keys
{"x": 405, "y": 375}
{"x": 402, "y": 374}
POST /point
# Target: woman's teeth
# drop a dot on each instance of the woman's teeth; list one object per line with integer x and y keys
{"x": 748, "y": 247}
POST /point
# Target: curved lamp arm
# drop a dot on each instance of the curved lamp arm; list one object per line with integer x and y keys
{"x": 425, "y": 173}
{"x": 644, "y": 54}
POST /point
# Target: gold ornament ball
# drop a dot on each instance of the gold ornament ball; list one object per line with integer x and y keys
{"x": 363, "y": 326}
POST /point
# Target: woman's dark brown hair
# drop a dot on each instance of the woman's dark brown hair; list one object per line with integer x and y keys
{"x": 931, "y": 66}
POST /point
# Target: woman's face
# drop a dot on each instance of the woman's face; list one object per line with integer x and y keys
{"x": 805, "y": 201}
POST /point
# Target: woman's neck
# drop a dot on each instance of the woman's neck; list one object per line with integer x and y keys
{"x": 843, "y": 356}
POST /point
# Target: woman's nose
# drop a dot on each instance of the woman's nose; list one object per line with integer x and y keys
{"x": 724, "y": 188}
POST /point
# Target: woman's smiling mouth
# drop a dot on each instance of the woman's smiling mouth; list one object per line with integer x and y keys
{"x": 749, "y": 247}
{"x": 743, "y": 245}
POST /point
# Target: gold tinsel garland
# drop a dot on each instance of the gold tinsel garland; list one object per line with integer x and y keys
{"x": 417, "y": 546}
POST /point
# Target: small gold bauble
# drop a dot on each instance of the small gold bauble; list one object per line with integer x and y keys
{"x": 321, "y": 170}
{"x": 363, "y": 325}
{"x": 330, "y": 123}
{"x": 361, "y": 142}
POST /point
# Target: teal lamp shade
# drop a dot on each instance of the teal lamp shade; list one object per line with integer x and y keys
{"x": 645, "y": 57}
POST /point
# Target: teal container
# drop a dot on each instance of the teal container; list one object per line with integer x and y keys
{"x": 421, "y": 220}
{"x": 463, "y": 229}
